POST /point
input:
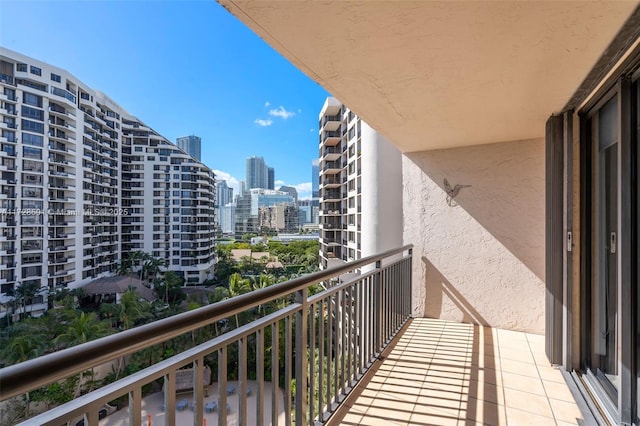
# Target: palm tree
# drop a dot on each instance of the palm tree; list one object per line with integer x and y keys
{"x": 264, "y": 281}
{"x": 170, "y": 284}
{"x": 81, "y": 329}
{"x": 136, "y": 259}
{"x": 128, "y": 310}
{"x": 123, "y": 268}
{"x": 21, "y": 348}
{"x": 26, "y": 292}
{"x": 151, "y": 267}
{"x": 238, "y": 286}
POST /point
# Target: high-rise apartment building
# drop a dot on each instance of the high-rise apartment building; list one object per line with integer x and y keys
{"x": 172, "y": 202}
{"x": 359, "y": 207}
{"x": 191, "y": 145}
{"x": 82, "y": 182}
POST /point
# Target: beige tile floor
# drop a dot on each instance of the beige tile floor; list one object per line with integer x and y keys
{"x": 447, "y": 373}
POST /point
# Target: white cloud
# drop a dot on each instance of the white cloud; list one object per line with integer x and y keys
{"x": 303, "y": 187}
{"x": 279, "y": 182}
{"x": 312, "y": 130}
{"x": 231, "y": 181}
{"x": 281, "y": 112}
{"x": 266, "y": 104}
{"x": 263, "y": 123}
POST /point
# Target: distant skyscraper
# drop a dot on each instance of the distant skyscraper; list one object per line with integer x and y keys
{"x": 248, "y": 205}
{"x": 315, "y": 175}
{"x": 259, "y": 175}
{"x": 228, "y": 218}
{"x": 224, "y": 193}
{"x": 271, "y": 178}
{"x": 191, "y": 145}
{"x": 256, "y": 173}
{"x": 291, "y": 191}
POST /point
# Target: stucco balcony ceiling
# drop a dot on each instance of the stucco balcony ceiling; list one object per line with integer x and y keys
{"x": 439, "y": 74}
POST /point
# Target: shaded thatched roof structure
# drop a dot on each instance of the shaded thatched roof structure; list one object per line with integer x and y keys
{"x": 118, "y": 285}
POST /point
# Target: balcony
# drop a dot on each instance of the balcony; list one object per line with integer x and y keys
{"x": 332, "y": 167}
{"x": 387, "y": 367}
{"x": 331, "y": 153}
{"x": 331, "y": 138}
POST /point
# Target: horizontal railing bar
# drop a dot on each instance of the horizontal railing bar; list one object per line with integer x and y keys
{"x": 38, "y": 372}
{"x": 158, "y": 370}
{"x": 338, "y": 287}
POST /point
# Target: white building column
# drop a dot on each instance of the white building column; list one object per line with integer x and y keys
{"x": 382, "y": 225}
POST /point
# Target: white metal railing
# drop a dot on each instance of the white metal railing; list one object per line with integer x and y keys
{"x": 339, "y": 332}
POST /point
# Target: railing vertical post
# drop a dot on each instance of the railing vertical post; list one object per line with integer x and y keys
{"x": 275, "y": 372}
{"x": 198, "y": 391}
{"x": 242, "y": 381}
{"x": 409, "y": 278}
{"x": 312, "y": 362}
{"x": 302, "y": 318}
{"x": 222, "y": 385}
{"x": 135, "y": 406}
{"x": 377, "y": 306}
{"x": 260, "y": 377}
{"x": 170, "y": 398}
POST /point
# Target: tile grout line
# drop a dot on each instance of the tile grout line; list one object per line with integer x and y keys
{"x": 544, "y": 388}
{"x": 499, "y": 368}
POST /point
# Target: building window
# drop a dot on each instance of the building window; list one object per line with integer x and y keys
{"x": 32, "y": 192}
{"x": 36, "y": 114}
{"x": 32, "y": 166}
{"x": 21, "y": 67}
{"x": 32, "y": 126}
{"x": 34, "y": 153}
{"x": 36, "y": 70}
{"x": 32, "y": 99}
{"x": 56, "y": 78}
{"x": 29, "y": 139}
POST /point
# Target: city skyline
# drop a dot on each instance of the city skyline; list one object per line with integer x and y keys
{"x": 239, "y": 109}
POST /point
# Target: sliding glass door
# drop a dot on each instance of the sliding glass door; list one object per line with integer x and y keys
{"x": 604, "y": 246}
{"x": 609, "y": 318}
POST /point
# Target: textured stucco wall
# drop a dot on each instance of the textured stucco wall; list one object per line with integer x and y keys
{"x": 480, "y": 259}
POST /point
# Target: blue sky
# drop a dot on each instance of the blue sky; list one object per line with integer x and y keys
{"x": 182, "y": 67}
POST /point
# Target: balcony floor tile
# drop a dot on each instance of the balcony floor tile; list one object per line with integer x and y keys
{"x": 445, "y": 373}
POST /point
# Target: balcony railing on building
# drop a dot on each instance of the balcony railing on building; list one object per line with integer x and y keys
{"x": 315, "y": 348}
